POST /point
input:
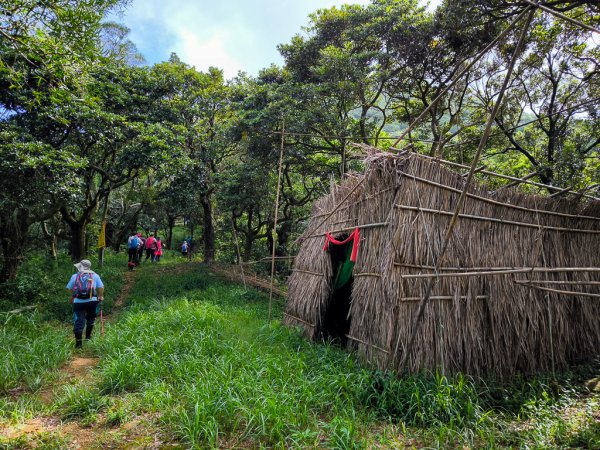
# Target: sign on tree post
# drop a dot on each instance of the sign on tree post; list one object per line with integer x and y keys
{"x": 102, "y": 243}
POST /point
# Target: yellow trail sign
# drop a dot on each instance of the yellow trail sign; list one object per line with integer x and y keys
{"x": 102, "y": 236}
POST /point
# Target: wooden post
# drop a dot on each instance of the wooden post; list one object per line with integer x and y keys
{"x": 274, "y": 234}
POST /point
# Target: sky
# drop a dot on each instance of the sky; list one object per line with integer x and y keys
{"x": 233, "y": 35}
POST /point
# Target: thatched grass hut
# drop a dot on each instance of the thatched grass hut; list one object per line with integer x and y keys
{"x": 519, "y": 290}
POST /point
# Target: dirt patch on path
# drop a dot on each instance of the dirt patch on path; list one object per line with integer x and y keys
{"x": 129, "y": 282}
{"x": 79, "y": 368}
{"x": 140, "y": 432}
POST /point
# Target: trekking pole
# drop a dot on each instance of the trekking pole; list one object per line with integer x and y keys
{"x": 101, "y": 321}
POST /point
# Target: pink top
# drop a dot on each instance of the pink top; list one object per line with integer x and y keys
{"x": 150, "y": 241}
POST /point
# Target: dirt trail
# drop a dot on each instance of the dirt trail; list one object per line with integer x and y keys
{"x": 137, "y": 432}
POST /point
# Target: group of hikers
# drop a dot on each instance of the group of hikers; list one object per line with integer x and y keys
{"x": 136, "y": 244}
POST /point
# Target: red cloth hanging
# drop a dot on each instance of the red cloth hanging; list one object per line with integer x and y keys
{"x": 354, "y": 236}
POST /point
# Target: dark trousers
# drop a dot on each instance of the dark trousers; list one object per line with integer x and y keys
{"x": 150, "y": 254}
{"x": 84, "y": 313}
{"x": 133, "y": 252}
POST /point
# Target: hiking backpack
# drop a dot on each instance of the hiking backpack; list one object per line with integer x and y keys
{"x": 133, "y": 242}
{"x": 84, "y": 285}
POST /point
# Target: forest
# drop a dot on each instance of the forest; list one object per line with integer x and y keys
{"x": 96, "y": 144}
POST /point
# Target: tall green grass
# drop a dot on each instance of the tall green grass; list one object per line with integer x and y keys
{"x": 28, "y": 347}
{"x": 196, "y": 352}
{"x": 201, "y": 353}
{"x": 32, "y": 342}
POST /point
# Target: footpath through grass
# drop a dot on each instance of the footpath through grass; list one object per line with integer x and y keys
{"x": 192, "y": 362}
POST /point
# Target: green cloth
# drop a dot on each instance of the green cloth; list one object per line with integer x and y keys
{"x": 344, "y": 269}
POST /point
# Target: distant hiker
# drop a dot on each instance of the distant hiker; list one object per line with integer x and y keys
{"x": 150, "y": 248}
{"x": 88, "y": 292}
{"x": 185, "y": 248}
{"x": 141, "y": 245}
{"x": 158, "y": 253}
{"x": 132, "y": 250}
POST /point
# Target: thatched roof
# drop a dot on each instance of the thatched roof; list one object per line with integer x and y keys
{"x": 482, "y": 323}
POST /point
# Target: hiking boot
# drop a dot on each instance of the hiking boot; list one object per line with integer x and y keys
{"x": 78, "y": 340}
{"x": 88, "y": 332}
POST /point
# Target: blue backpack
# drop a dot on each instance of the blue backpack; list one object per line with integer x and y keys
{"x": 84, "y": 285}
{"x": 133, "y": 242}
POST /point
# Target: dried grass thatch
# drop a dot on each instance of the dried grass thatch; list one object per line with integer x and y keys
{"x": 478, "y": 323}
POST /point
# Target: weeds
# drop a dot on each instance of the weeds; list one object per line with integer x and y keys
{"x": 195, "y": 352}
{"x": 80, "y": 401}
{"x": 28, "y": 347}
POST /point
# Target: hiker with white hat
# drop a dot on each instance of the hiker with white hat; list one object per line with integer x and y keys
{"x": 88, "y": 292}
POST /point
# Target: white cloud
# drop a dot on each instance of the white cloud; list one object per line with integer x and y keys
{"x": 206, "y": 51}
{"x": 232, "y": 35}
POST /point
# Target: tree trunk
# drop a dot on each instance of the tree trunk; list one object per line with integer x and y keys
{"x": 51, "y": 238}
{"x": 78, "y": 239}
{"x": 209, "y": 231}
{"x": 170, "y": 233}
{"x": 13, "y": 234}
{"x": 285, "y": 231}
{"x": 269, "y": 237}
{"x": 248, "y": 244}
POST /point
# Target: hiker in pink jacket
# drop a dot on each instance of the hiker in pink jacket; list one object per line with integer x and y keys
{"x": 158, "y": 252}
{"x": 150, "y": 248}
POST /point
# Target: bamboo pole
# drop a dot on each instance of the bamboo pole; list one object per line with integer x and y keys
{"x": 360, "y": 200}
{"x": 501, "y": 272}
{"x": 341, "y": 230}
{"x": 308, "y": 272}
{"x": 496, "y": 202}
{"x": 522, "y": 180}
{"x": 479, "y": 169}
{"x": 299, "y": 319}
{"x": 330, "y": 213}
{"x": 466, "y": 269}
{"x": 564, "y": 17}
{"x": 484, "y": 138}
{"x": 366, "y": 274}
{"x": 558, "y": 291}
{"x": 367, "y": 343}
{"x": 464, "y": 71}
{"x": 274, "y": 234}
{"x": 494, "y": 174}
{"x": 444, "y": 297}
{"x": 580, "y": 192}
{"x": 502, "y": 221}
{"x": 572, "y": 283}
{"x": 268, "y": 259}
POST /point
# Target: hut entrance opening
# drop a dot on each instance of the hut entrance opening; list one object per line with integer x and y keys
{"x": 336, "y": 322}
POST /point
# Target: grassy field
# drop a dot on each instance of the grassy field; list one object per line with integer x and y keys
{"x": 191, "y": 362}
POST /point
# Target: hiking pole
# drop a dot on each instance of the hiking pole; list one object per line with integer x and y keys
{"x": 101, "y": 321}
